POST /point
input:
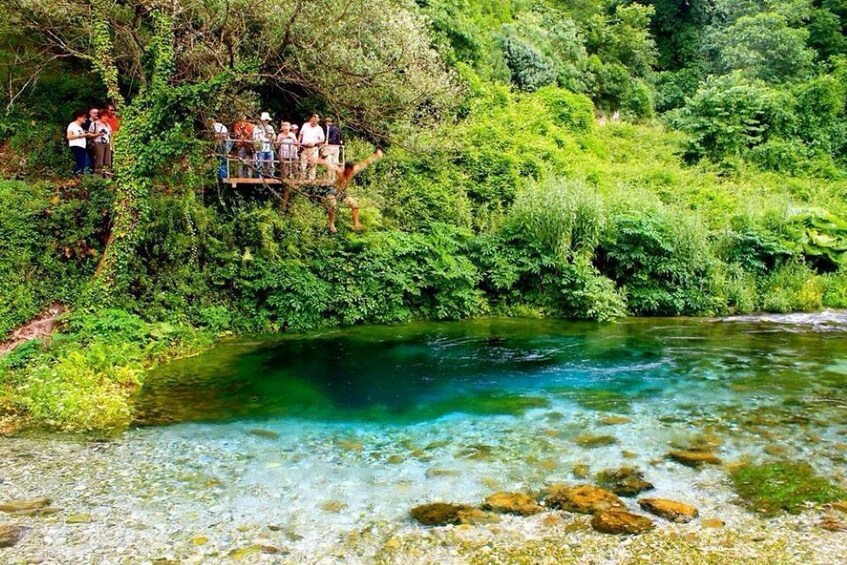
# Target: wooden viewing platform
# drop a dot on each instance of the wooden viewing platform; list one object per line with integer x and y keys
{"x": 292, "y": 183}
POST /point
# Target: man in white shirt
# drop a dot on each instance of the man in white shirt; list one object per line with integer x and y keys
{"x": 77, "y": 138}
{"x": 311, "y": 138}
{"x": 263, "y": 139}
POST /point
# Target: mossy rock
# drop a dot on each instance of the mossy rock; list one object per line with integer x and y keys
{"x": 626, "y": 481}
{"x": 783, "y": 486}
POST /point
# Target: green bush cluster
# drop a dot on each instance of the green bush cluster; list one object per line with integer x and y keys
{"x": 50, "y": 240}
{"x": 800, "y": 131}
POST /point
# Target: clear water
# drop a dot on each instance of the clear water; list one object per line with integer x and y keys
{"x": 792, "y": 368}
{"x": 324, "y": 441}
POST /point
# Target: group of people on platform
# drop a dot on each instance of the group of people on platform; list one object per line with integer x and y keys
{"x": 90, "y": 136}
{"x": 259, "y": 147}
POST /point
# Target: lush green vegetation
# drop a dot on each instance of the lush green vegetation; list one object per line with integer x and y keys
{"x": 722, "y": 191}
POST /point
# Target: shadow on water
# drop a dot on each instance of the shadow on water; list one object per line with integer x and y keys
{"x": 418, "y": 372}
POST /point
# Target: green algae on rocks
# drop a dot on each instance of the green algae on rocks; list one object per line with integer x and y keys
{"x": 787, "y": 486}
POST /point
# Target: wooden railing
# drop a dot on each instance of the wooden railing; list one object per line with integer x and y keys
{"x": 251, "y": 170}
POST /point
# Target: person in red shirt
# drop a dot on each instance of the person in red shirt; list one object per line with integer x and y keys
{"x": 242, "y": 131}
{"x": 109, "y": 116}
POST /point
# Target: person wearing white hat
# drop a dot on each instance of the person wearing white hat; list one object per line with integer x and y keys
{"x": 263, "y": 140}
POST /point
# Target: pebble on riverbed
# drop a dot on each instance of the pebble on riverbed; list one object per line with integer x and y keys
{"x": 10, "y": 535}
{"x": 24, "y": 506}
{"x": 443, "y": 514}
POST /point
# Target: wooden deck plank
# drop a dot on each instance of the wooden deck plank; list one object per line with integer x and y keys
{"x": 290, "y": 182}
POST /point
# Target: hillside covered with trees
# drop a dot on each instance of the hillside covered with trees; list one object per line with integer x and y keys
{"x": 507, "y": 187}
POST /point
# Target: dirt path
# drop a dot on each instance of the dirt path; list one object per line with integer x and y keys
{"x": 41, "y": 326}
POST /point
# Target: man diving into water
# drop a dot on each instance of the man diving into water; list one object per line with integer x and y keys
{"x": 344, "y": 174}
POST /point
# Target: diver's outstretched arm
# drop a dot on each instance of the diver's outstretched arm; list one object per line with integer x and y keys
{"x": 377, "y": 155}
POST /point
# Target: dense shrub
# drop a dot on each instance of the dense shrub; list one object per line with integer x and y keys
{"x": 662, "y": 264}
{"x": 50, "y": 240}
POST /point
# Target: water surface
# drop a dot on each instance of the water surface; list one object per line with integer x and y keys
{"x": 319, "y": 444}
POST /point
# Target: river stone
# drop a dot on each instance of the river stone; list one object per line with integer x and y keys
{"x": 78, "y": 519}
{"x": 585, "y": 499}
{"x": 10, "y": 535}
{"x": 712, "y": 523}
{"x": 581, "y": 471}
{"x": 512, "y": 503}
{"x": 434, "y": 473}
{"x": 443, "y": 514}
{"x": 614, "y": 420}
{"x": 694, "y": 459}
{"x": 265, "y": 434}
{"x": 620, "y": 522}
{"x": 19, "y": 506}
{"x": 626, "y": 481}
{"x": 590, "y": 441}
{"x": 833, "y": 524}
{"x": 669, "y": 509}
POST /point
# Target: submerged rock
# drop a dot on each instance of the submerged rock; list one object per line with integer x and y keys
{"x": 477, "y": 451}
{"x": 620, "y": 522}
{"x": 694, "y": 459}
{"x": 443, "y": 514}
{"x": 614, "y": 420}
{"x": 585, "y": 499}
{"x": 433, "y": 473}
{"x": 626, "y": 481}
{"x": 712, "y": 523}
{"x": 10, "y": 535}
{"x": 333, "y": 506}
{"x": 581, "y": 471}
{"x": 833, "y": 524}
{"x": 22, "y": 506}
{"x": 590, "y": 440}
{"x": 265, "y": 434}
{"x": 669, "y": 509}
{"x": 78, "y": 519}
{"x": 512, "y": 503}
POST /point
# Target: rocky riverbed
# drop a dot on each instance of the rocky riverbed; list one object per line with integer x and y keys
{"x": 651, "y": 441}
{"x": 237, "y": 493}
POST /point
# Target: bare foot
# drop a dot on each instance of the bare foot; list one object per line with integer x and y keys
{"x": 358, "y": 227}
{"x": 332, "y": 229}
